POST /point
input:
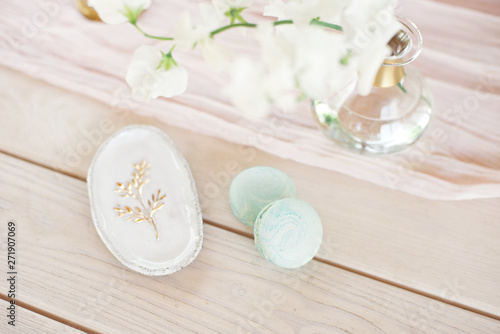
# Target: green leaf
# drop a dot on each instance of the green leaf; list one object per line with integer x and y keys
{"x": 132, "y": 13}
{"x": 403, "y": 89}
{"x": 345, "y": 59}
{"x": 167, "y": 62}
{"x": 234, "y": 14}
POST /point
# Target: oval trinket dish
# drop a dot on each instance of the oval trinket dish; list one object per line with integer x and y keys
{"x": 144, "y": 201}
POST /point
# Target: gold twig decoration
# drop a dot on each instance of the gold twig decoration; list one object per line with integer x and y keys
{"x": 134, "y": 189}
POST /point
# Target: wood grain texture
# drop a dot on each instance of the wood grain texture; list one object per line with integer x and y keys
{"x": 230, "y": 288}
{"x": 418, "y": 243}
{"x": 491, "y": 7}
{"x": 31, "y": 322}
{"x": 423, "y": 245}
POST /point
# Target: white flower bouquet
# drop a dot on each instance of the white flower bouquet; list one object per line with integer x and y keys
{"x": 310, "y": 49}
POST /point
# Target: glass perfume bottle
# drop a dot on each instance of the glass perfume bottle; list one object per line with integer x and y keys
{"x": 396, "y": 112}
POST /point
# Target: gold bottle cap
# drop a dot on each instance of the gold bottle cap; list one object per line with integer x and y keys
{"x": 388, "y": 76}
{"x": 391, "y": 72}
{"x": 87, "y": 11}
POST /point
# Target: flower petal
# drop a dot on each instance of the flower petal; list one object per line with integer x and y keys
{"x": 172, "y": 83}
{"x": 247, "y": 91}
{"x": 185, "y": 34}
{"x": 114, "y": 11}
{"x": 148, "y": 82}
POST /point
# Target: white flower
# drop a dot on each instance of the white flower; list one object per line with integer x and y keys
{"x": 280, "y": 87}
{"x": 119, "y": 11}
{"x": 233, "y": 3}
{"x": 152, "y": 73}
{"x": 297, "y": 60}
{"x": 253, "y": 89}
{"x": 362, "y": 14}
{"x": 215, "y": 55}
{"x": 187, "y": 36}
{"x": 303, "y": 11}
{"x": 247, "y": 90}
{"x": 210, "y": 19}
{"x": 274, "y": 48}
{"x": 369, "y": 25}
{"x": 316, "y": 59}
{"x": 368, "y": 63}
{"x": 312, "y": 54}
{"x": 222, "y": 6}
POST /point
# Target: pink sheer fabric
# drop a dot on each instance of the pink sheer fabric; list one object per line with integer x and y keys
{"x": 458, "y": 158}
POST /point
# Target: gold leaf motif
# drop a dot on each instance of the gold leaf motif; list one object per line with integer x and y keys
{"x": 134, "y": 190}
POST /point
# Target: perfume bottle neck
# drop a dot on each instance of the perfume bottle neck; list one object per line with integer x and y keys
{"x": 388, "y": 76}
{"x": 405, "y": 46}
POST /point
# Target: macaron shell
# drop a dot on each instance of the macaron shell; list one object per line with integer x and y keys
{"x": 255, "y": 188}
{"x": 288, "y": 233}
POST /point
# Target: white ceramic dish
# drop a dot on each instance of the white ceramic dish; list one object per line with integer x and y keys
{"x": 150, "y": 154}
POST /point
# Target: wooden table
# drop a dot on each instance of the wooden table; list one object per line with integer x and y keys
{"x": 390, "y": 262}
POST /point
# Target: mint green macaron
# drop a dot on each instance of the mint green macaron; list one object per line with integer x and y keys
{"x": 288, "y": 233}
{"x": 255, "y": 188}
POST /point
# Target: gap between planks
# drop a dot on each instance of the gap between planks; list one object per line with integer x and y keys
{"x": 247, "y": 235}
{"x": 50, "y": 315}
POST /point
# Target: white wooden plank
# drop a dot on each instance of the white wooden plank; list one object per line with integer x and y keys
{"x": 400, "y": 238}
{"x": 410, "y": 241}
{"x": 66, "y": 270}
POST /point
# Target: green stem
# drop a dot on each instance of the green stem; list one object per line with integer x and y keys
{"x": 317, "y": 22}
{"x": 276, "y": 23}
{"x": 229, "y": 26}
{"x": 151, "y": 36}
{"x": 171, "y": 49}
